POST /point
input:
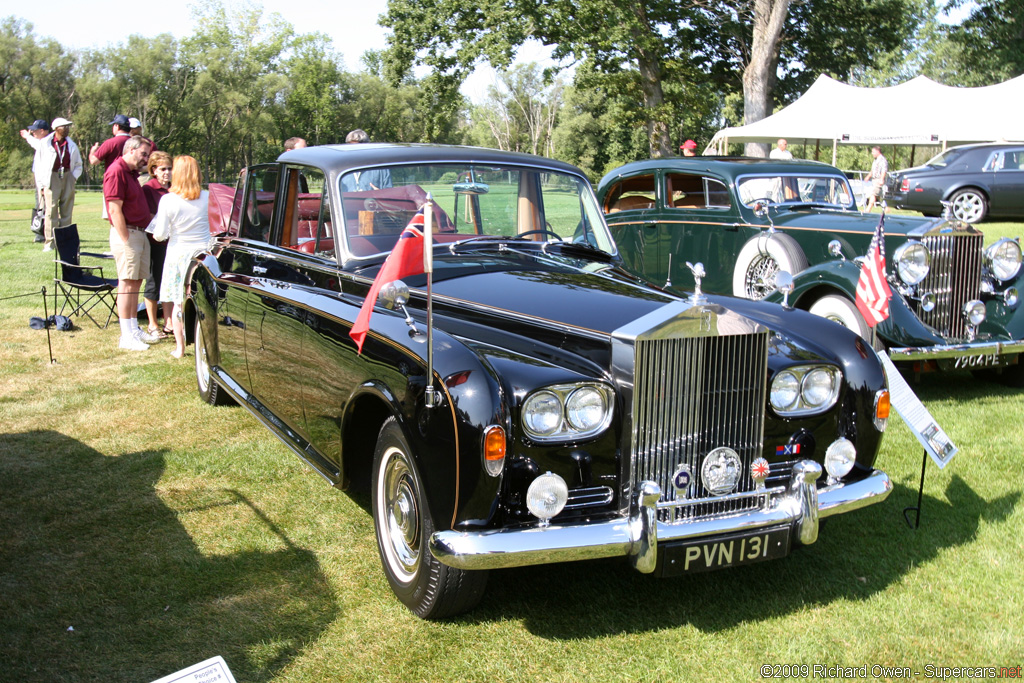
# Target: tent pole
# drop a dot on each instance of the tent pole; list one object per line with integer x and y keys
{"x": 835, "y": 142}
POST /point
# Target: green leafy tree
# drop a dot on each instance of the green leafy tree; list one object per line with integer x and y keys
{"x": 990, "y": 41}
{"x": 36, "y": 82}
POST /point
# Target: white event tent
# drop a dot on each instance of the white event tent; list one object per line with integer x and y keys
{"x": 918, "y": 112}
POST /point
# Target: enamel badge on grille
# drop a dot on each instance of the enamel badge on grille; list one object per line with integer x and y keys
{"x": 681, "y": 481}
{"x": 759, "y": 472}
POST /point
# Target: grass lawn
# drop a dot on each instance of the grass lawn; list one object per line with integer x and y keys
{"x": 144, "y": 531}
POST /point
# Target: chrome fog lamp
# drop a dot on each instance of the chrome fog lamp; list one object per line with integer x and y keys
{"x": 1011, "y": 296}
{"x": 1003, "y": 259}
{"x": 542, "y": 414}
{"x": 913, "y": 261}
{"x": 586, "y": 409}
{"x": 839, "y": 458}
{"x": 974, "y": 312}
{"x": 785, "y": 391}
{"x": 546, "y": 496}
{"x": 818, "y": 386}
{"x": 928, "y": 302}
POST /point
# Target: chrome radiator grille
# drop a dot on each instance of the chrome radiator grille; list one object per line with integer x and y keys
{"x": 954, "y": 278}
{"x": 691, "y": 396}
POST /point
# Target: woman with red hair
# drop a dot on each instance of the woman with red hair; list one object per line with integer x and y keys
{"x": 182, "y": 220}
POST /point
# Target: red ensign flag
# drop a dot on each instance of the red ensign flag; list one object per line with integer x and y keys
{"x": 873, "y": 291}
{"x": 405, "y": 259}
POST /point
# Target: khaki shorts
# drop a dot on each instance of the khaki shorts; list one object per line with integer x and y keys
{"x": 132, "y": 259}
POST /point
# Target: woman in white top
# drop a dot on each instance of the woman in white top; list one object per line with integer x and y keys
{"x": 182, "y": 219}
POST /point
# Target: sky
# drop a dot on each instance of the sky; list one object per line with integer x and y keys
{"x": 352, "y": 26}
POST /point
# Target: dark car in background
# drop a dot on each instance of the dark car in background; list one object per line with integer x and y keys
{"x": 955, "y": 302}
{"x": 530, "y": 402}
{"x": 978, "y": 181}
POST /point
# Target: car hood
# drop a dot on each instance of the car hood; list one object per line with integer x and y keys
{"x": 852, "y": 221}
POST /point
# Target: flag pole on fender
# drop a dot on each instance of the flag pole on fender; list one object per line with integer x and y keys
{"x": 431, "y": 398}
{"x": 873, "y": 292}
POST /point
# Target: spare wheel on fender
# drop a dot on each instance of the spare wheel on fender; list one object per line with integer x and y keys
{"x": 760, "y": 259}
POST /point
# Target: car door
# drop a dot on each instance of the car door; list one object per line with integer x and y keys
{"x": 699, "y": 226}
{"x": 630, "y": 206}
{"x": 1007, "y": 189}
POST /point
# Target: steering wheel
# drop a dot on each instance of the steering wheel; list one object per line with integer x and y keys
{"x": 540, "y": 231}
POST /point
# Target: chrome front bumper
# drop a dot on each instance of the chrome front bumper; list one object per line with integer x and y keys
{"x": 799, "y": 503}
{"x": 1003, "y": 348}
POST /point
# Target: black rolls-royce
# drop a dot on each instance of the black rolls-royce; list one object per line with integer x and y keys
{"x": 518, "y": 399}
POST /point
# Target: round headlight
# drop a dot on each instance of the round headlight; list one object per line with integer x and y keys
{"x": 785, "y": 390}
{"x": 546, "y": 496}
{"x": 840, "y": 457}
{"x": 542, "y": 413}
{"x": 913, "y": 260}
{"x": 585, "y": 409}
{"x": 1003, "y": 259}
{"x": 818, "y": 387}
{"x": 974, "y": 311}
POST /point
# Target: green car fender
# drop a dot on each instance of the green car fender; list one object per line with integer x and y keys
{"x": 839, "y": 278}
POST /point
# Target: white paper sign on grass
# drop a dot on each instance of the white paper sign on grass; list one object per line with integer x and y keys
{"x": 213, "y": 670}
{"x": 917, "y": 417}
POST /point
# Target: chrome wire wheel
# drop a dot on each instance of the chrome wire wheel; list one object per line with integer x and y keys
{"x": 969, "y": 206}
{"x": 760, "y": 279}
{"x": 399, "y": 511}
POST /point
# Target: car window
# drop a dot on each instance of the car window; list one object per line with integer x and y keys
{"x": 824, "y": 190}
{"x": 717, "y": 193}
{"x": 1012, "y": 160}
{"x": 306, "y": 223}
{"x": 261, "y": 192}
{"x": 472, "y": 200}
{"x": 635, "y": 192}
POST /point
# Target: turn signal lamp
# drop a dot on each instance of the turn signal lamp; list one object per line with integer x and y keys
{"x": 882, "y": 408}
{"x": 494, "y": 450}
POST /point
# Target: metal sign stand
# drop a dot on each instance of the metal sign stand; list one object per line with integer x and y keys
{"x": 920, "y": 497}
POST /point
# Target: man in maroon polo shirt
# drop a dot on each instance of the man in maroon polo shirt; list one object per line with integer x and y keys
{"x": 111, "y": 148}
{"x": 129, "y": 215}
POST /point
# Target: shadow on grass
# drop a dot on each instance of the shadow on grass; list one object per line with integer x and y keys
{"x": 856, "y": 556}
{"x": 87, "y": 544}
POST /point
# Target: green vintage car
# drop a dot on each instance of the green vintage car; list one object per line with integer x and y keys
{"x": 955, "y": 303}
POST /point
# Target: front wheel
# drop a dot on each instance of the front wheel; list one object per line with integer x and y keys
{"x": 841, "y": 310}
{"x": 969, "y": 205}
{"x": 403, "y": 527}
{"x": 209, "y": 390}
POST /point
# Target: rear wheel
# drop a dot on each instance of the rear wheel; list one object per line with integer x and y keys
{"x": 209, "y": 390}
{"x": 403, "y": 524}
{"x": 969, "y": 205}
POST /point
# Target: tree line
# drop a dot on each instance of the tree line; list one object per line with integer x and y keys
{"x": 646, "y": 75}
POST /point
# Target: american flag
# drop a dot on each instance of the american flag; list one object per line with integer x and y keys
{"x": 404, "y": 260}
{"x": 873, "y": 291}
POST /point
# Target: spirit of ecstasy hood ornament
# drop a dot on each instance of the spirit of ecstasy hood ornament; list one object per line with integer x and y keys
{"x": 698, "y": 275}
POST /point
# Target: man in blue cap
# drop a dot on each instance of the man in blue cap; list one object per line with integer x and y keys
{"x": 39, "y": 129}
{"x": 111, "y": 148}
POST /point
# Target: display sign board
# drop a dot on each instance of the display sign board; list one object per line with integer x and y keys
{"x": 921, "y": 423}
{"x": 213, "y": 670}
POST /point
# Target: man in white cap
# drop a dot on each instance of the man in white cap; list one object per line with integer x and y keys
{"x": 59, "y": 166}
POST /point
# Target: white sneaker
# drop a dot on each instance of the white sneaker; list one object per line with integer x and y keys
{"x": 48, "y": 246}
{"x": 133, "y": 344}
{"x": 145, "y": 337}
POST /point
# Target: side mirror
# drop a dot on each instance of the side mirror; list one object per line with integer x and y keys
{"x": 392, "y": 294}
{"x": 835, "y": 247}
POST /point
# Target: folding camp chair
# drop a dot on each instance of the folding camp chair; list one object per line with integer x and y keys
{"x": 82, "y": 291}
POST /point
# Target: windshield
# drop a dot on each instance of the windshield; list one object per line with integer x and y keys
{"x": 822, "y": 190}
{"x": 473, "y": 201}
